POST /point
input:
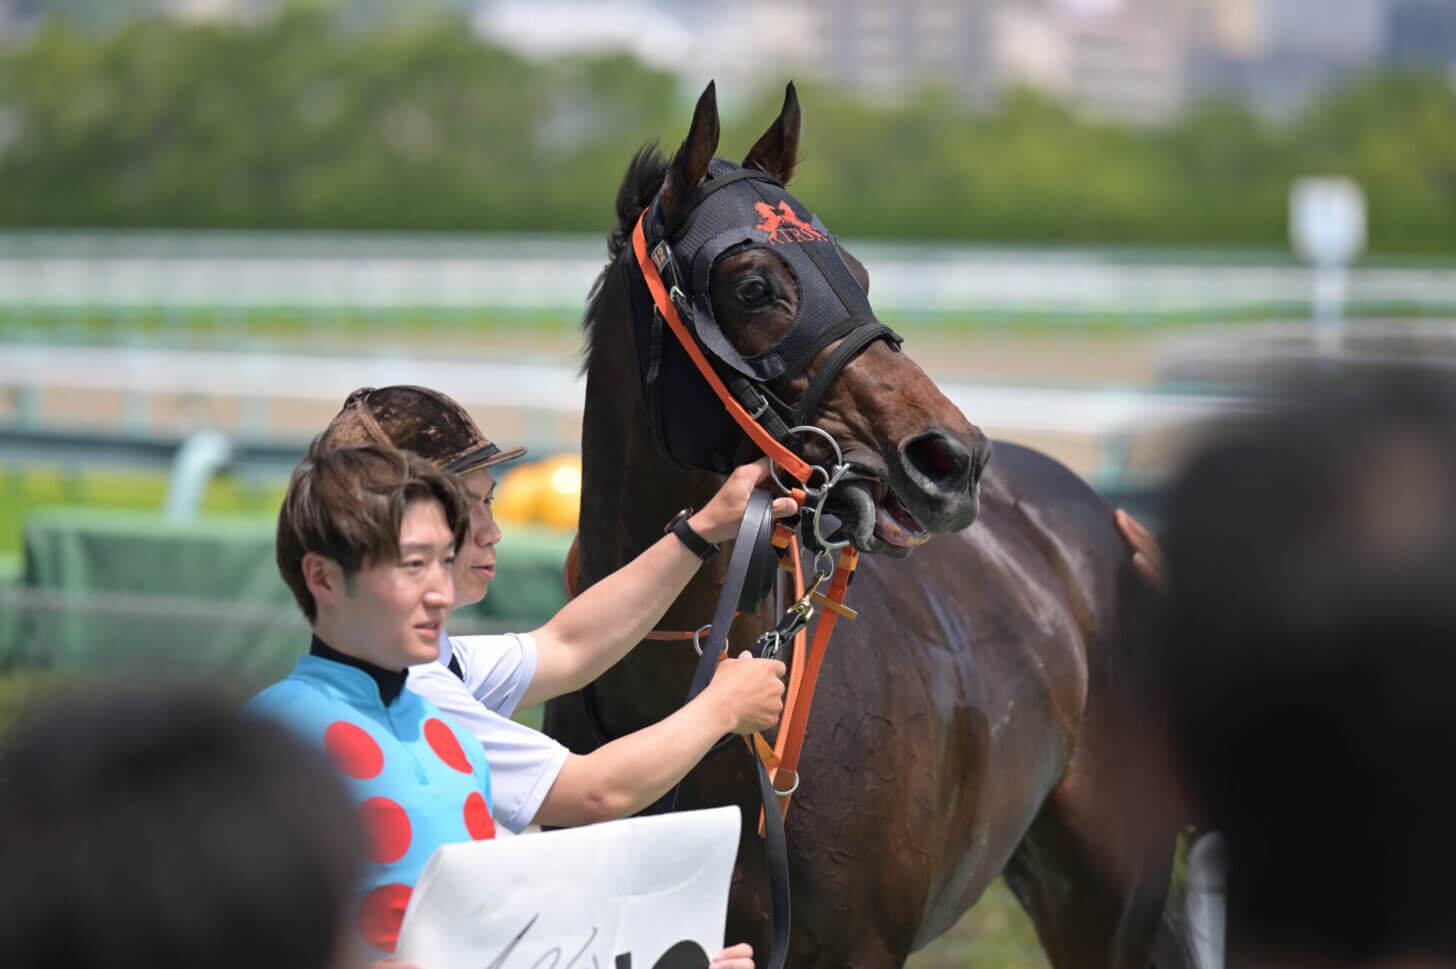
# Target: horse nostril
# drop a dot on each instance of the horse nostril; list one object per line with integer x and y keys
{"x": 940, "y": 460}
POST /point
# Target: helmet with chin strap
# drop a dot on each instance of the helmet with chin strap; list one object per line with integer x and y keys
{"x": 417, "y": 419}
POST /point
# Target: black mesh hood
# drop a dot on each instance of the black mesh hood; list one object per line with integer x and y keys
{"x": 736, "y": 207}
{"x": 751, "y": 209}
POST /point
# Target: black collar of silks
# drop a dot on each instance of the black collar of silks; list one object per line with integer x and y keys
{"x": 389, "y": 682}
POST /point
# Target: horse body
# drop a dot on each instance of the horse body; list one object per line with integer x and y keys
{"x": 962, "y": 726}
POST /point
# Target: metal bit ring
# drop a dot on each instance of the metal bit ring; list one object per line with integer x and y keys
{"x": 838, "y": 461}
{"x": 698, "y": 646}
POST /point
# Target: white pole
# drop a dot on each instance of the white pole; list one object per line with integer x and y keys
{"x": 1330, "y": 286}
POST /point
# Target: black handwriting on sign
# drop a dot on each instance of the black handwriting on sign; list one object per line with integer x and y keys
{"x": 681, "y": 955}
{"x": 548, "y": 959}
{"x": 500, "y": 960}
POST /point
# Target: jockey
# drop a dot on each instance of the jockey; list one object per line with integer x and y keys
{"x": 367, "y": 539}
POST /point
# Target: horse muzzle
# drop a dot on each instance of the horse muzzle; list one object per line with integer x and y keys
{"x": 931, "y": 486}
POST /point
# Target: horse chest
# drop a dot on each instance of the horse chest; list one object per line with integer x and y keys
{"x": 946, "y": 715}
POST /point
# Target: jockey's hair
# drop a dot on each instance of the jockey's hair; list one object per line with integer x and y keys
{"x": 348, "y": 504}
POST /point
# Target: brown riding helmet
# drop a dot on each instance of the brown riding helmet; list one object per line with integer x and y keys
{"x": 416, "y": 419}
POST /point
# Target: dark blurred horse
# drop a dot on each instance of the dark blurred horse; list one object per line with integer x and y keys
{"x": 965, "y": 725}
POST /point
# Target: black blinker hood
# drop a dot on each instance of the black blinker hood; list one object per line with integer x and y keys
{"x": 734, "y": 208}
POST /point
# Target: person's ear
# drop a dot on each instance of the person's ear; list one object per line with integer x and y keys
{"x": 324, "y": 578}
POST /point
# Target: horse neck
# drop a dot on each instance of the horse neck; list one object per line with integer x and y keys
{"x": 629, "y": 487}
{"x": 629, "y": 491}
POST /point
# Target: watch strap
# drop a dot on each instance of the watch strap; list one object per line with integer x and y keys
{"x": 695, "y": 543}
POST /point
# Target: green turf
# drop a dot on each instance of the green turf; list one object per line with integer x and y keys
{"x": 996, "y": 934}
{"x": 343, "y": 326}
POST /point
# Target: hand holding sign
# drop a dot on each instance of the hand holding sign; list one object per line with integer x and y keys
{"x": 738, "y": 956}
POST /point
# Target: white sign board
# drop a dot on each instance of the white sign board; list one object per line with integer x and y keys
{"x": 633, "y": 894}
{"x": 1327, "y": 220}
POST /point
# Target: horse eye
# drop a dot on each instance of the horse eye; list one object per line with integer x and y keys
{"x": 753, "y": 291}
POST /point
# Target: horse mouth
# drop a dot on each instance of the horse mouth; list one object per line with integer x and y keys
{"x": 874, "y": 519}
{"x": 894, "y": 524}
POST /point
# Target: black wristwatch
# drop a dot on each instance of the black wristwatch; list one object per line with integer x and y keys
{"x": 696, "y": 543}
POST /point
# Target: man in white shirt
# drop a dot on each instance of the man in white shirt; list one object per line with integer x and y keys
{"x": 479, "y": 681}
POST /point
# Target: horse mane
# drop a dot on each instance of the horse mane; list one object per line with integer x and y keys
{"x": 644, "y": 177}
{"x": 639, "y": 186}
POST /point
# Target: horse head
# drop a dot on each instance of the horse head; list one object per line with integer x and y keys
{"x": 783, "y": 308}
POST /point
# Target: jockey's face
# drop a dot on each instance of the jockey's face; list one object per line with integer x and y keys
{"x": 393, "y": 612}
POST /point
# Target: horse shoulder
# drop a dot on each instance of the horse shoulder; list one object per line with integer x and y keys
{"x": 1070, "y": 524}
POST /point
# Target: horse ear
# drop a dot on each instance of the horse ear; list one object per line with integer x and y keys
{"x": 777, "y": 152}
{"x": 690, "y": 163}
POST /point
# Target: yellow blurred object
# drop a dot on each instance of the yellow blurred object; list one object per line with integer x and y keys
{"x": 515, "y": 497}
{"x": 561, "y": 497}
{"x": 542, "y": 493}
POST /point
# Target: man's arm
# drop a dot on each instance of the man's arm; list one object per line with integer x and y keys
{"x": 596, "y": 629}
{"x": 628, "y": 774}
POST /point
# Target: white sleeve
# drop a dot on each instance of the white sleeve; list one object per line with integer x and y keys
{"x": 497, "y": 670}
{"x": 524, "y": 763}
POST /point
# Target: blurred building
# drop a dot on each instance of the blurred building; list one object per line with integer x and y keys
{"x": 203, "y": 10}
{"x": 889, "y": 49}
{"x": 1107, "y": 57}
{"x": 1126, "y": 65}
{"x": 1280, "y": 54}
{"x": 1421, "y": 32}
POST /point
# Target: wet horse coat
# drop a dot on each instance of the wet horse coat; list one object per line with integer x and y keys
{"x": 965, "y": 726}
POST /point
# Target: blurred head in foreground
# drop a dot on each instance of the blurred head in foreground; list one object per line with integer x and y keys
{"x": 1309, "y": 647}
{"x": 168, "y": 831}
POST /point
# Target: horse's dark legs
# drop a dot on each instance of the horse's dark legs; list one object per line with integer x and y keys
{"x": 1093, "y": 872}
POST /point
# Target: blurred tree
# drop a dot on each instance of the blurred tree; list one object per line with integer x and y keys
{"x": 309, "y": 120}
{"x": 1396, "y": 134}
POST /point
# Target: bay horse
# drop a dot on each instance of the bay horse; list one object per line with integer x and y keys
{"x": 964, "y": 726}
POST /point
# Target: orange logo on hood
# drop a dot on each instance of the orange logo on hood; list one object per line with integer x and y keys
{"x": 782, "y": 225}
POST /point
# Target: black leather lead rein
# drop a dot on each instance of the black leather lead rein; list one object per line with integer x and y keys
{"x": 743, "y": 587}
